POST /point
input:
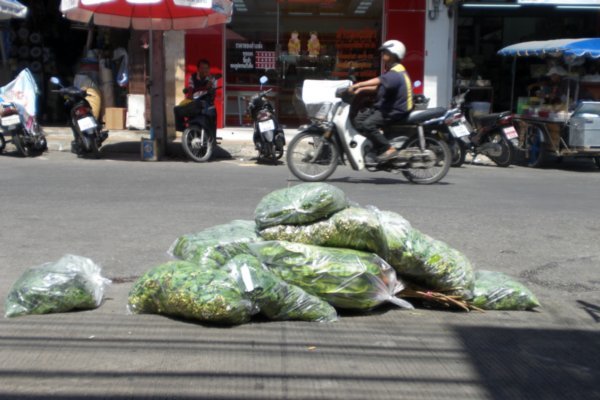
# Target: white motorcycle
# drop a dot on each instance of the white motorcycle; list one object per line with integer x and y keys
{"x": 317, "y": 149}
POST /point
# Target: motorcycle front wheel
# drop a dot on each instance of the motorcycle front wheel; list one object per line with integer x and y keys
{"x": 311, "y": 157}
{"x": 197, "y": 143}
{"x": 439, "y": 166}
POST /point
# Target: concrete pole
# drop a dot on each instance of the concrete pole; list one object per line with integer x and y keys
{"x": 158, "y": 121}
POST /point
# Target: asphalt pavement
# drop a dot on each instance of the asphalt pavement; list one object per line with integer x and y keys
{"x": 539, "y": 225}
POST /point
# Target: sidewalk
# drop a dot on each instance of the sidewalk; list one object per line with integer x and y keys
{"x": 237, "y": 142}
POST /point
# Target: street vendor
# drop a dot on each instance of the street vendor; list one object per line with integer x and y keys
{"x": 558, "y": 88}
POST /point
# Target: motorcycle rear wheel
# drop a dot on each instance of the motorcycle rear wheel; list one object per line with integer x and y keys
{"x": 459, "y": 153}
{"x": 20, "y": 145}
{"x": 2, "y": 143}
{"x": 93, "y": 146}
{"x": 427, "y": 176}
{"x": 195, "y": 146}
{"x": 505, "y": 159}
{"x": 311, "y": 157}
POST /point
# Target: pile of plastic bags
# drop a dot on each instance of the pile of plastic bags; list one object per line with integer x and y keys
{"x": 308, "y": 252}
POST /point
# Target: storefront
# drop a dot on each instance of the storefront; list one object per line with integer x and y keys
{"x": 292, "y": 40}
{"x": 484, "y": 27}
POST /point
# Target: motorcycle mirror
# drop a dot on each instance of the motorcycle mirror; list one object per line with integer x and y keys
{"x": 263, "y": 80}
{"x": 55, "y": 81}
{"x": 417, "y": 84}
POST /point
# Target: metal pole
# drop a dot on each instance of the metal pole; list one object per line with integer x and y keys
{"x": 512, "y": 89}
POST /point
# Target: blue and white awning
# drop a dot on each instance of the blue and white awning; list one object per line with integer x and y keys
{"x": 568, "y": 48}
{"x": 12, "y": 9}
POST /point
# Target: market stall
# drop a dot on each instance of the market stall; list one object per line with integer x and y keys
{"x": 560, "y": 115}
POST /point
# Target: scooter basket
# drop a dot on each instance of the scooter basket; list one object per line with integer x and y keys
{"x": 319, "y": 111}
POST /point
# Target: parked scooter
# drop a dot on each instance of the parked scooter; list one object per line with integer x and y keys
{"x": 492, "y": 135}
{"x": 86, "y": 130}
{"x": 199, "y": 136}
{"x": 318, "y": 148}
{"x": 269, "y": 138}
{"x": 18, "y": 115}
{"x": 27, "y": 135}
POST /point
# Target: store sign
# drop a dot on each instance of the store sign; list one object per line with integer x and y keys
{"x": 265, "y": 60}
{"x": 243, "y": 56}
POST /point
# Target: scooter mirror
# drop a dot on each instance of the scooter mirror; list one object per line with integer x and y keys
{"x": 263, "y": 80}
{"x": 417, "y": 84}
{"x": 55, "y": 80}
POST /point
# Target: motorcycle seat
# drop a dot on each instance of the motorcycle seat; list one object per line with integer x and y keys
{"x": 489, "y": 119}
{"x": 416, "y": 117}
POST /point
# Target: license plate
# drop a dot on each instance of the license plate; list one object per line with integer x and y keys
{"x": 86, "y": 123}
{"x": 11, "y": 120}
{"x": 459, "y": 130}
{"x": 266, "y": 126}
{"x": 510, "y": 132}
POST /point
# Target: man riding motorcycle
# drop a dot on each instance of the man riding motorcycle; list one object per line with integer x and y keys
{"x": 201, "y": 84}
{"x": 393, "y": 101}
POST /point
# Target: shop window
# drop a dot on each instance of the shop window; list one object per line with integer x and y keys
{"x": 290, "y": 41}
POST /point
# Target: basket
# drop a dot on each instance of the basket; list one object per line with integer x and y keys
{"x": 319, "y": 111}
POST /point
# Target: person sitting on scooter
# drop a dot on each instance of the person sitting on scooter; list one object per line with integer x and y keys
{"x": 393, "y": 102}
{"x": 201, "y": 81}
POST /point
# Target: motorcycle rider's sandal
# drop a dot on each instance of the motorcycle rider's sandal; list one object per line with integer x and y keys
{"x": 387, "y": 155}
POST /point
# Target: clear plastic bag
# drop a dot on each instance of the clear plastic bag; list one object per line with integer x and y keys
{"x": 71, "y": 283}
{"x": 205, "y": 292}
{"x": 276, "y": 299}
{"x": 345, "y": 278}
{"x": 498, "y": 291}
{"x": 195, "y": 246}
{"x": 300, "y": 204}
{"x": 353, "y": 228}
{"x": 395, "y": 229}
{"x": 434, "y": 265}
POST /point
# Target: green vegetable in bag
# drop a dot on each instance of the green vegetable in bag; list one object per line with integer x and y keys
{"x": 193, "y": 247}
{"x": 497, "y": 291}
{"x": 71, "y": 283}
{"x": 204, "y": 292}
{"x": 352, "y": 228}
{"x": 395, "y": 230}
{"x": 300, "y": 204}
{"x": 276, "y": 299}
{"x": 435, "y": 265}
{"x": 345, "y": 278}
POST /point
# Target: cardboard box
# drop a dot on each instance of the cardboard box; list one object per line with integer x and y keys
{"x": 114, "y": 118}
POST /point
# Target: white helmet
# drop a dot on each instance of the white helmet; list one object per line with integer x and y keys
{"x": 394, "y": 47}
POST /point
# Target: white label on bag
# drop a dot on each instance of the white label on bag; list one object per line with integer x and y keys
{"x": 265, "y": 126}
{"x": 247, "y": 279}
{"x": 11, "y": 120}
{"x": 86, "y": 123}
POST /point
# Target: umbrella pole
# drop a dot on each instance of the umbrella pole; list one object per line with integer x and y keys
{"x": 157, "y": 92}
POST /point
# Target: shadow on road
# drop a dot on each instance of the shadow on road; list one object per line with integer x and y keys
{"x": 534, "y": 363}
{"x": 131, "y": 151}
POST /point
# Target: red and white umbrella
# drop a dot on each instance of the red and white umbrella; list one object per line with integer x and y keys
{"x": 149, "y": 14}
